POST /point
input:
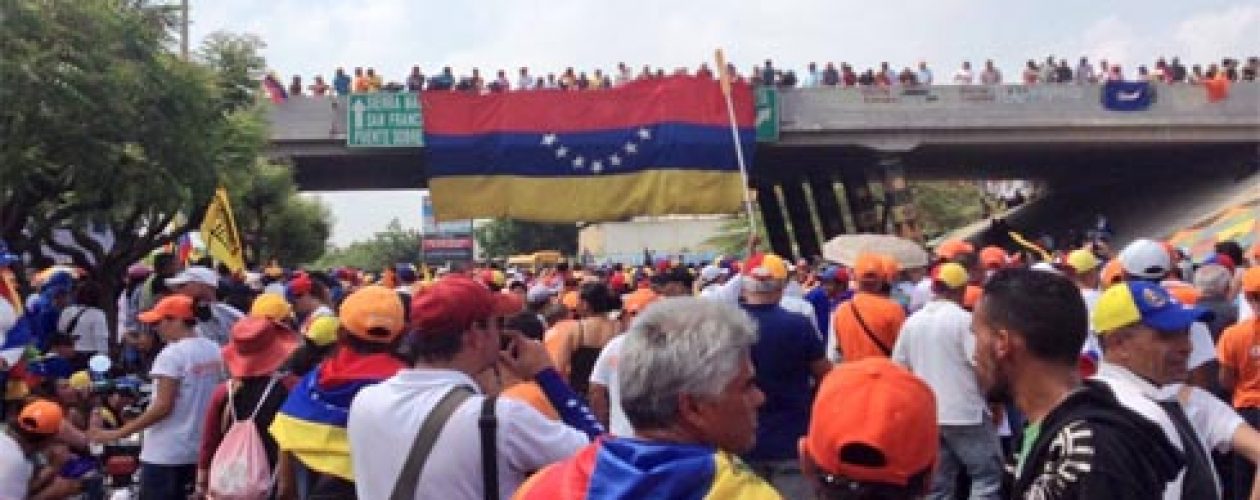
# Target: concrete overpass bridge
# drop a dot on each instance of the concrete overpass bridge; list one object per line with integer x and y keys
{"x": 860, "y": 145}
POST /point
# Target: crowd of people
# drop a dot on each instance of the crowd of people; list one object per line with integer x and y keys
{"x": 989, "y": 373}
{"x": 829, "y": 74}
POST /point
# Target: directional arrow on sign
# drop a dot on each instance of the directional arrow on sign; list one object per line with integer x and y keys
{"x": 358, "y": 108}
{"x": 763, "y": 115}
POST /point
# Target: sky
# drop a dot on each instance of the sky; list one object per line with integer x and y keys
{"x": 313, "y": 37}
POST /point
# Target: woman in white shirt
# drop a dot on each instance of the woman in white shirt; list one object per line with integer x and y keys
{"x": 85, "y": 320}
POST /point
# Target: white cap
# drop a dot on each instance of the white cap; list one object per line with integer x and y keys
{"x": 710, "y": 273}
{"x": 1145, "y": 259}
{"x": 539, "y": 293}
{"x": 195, "y": 274}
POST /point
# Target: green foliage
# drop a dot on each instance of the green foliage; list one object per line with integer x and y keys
{"x": 507, "y": 237}
{"x": 384, "y": 249}
{"x": 732, "y": 237}
{"x": 274, "y": 221}
{"x": 237, "y": 64}
{"x": 946, "y": 205}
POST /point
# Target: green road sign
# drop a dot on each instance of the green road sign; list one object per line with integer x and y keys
{"x": 767, "y": 114}
{"x": 384, "y": 120}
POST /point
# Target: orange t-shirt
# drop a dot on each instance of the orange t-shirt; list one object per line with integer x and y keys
{"x": 882, "y": 315}
{"x": 530, "y": 394}
{"x": 1239, "y": 350}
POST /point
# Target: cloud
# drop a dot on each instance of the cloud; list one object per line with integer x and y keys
{"x": 1226, "y": 32}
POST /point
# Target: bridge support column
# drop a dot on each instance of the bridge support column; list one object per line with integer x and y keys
{"x": 861, "y": 203}
{"x": 802, "y": 221}
{"x": 898, "y": 199}
{"x": 823, "y": 187}
{"x": 772, "y": 216}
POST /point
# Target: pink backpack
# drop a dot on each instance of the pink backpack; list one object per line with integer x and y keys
{"x": 239, "y": 469}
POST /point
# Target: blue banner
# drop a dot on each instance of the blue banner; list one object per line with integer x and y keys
{"x": 1127, "y": 96}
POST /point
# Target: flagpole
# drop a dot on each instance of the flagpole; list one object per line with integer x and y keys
{"x": 724, "y": 79}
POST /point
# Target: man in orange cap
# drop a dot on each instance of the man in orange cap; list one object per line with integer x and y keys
{"x": 185, "y": 373}
{"x": 867, "y": 325}
{"x": 34, "y": 429}
{"x": 872, "y": 433}
{"x": 1240, "y": 370}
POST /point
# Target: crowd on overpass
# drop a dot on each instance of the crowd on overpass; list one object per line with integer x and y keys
{"x": 1049, "y": 71}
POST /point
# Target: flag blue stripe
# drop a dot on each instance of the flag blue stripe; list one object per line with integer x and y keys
{"x": 308, "y": 402}
{"x": 665, "y": 146}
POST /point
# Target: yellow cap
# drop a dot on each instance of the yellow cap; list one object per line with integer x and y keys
{"x": 271, "y": 306}
{"x": 1082, "y": 260}
{"x": 951, "y": 275}
{"x": 323, "y": 330}
{"x": 80, "y": 380}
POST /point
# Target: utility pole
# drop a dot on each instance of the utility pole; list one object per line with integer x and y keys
{"x": 183, "y": 29}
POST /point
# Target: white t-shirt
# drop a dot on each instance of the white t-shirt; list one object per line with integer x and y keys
{"x": 605, "y": 374}
{"x": 1202, "y": 349}
{"x": 1244, "y": 308}
{"x": 936, "y": 344}
{"x": 385, "y": 418}
{"x": 1214, "y": 421}
{"x": 92, "y": 328}
{"x": 1091, "y": 338}
{"x": 15, "y": 469}
{"x": 198, "y": 366}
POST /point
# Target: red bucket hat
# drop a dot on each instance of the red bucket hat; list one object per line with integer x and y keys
{"x": 258, "y": 347}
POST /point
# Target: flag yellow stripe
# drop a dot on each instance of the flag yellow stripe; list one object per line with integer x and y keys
{"x": 587, "y": 198}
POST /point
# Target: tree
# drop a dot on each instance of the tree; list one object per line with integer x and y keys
{"x": 385, "y": 248}
{"x": 238, "y": 66}
{"x": 943, "y": 206}
{"x": 506, "y": 237}
{"x": 275, "y": 222}
{"x": 732, "y": 237}
{"x": 103, "y": 130}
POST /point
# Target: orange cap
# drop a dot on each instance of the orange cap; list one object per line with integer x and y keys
{"x": 873, "y": 405}
{"x": 373, "y": 313}
{"x": 40, "y": 417}
{"x": 890, "y": 266}
{"x": 992, "y": 257}
{"x": 869, "y": 266}
{"x": 1112, "y": 273}
{"x": 1251, "y": 280}
{"x": 171, "y": 306}
{"x": 953, "y": 248}
{"x": 570, "y": 300}
{"x": 1185, "y": 293}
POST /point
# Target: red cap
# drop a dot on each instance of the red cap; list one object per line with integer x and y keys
{"x": 953, "y": 248}
{"x": 453, "y": 303}
{"x": 873, "y": 407}
{"x": 300, "y": 285}
{"x": 992, "y": 257}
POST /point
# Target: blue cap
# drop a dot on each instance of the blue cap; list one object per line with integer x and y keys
{"x": 1145, "y": 302}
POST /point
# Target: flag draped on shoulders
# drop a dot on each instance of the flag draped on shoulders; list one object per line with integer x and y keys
{"x": 312, "y": 422}
{"x": 634, "y": 468}
{"x": 651, "y": 147}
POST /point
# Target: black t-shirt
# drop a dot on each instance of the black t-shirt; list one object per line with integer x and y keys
{"x": 1091, "y": 447}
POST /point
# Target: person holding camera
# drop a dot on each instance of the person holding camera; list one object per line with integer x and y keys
{"x": 457, "y": 331}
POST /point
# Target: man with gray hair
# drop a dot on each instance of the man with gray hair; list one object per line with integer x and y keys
{"x": 1214, "y": 282}
{"x": 688, "y": 389}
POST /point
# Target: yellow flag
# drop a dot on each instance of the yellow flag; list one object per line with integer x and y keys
{"x": 723, "y": 71}
{"x": 218, "y": 230}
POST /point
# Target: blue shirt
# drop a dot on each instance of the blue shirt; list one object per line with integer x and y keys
{"x": 786, "y": 345}
{"x": 341, "y": 84}
{"x": 824, "y": 306}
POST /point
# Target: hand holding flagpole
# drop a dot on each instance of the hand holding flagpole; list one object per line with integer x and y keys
{"x": 724, "y": 79}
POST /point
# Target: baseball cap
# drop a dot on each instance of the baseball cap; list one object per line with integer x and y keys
{"x": 710, "y": 273}
{"x": 171, "y": 306}
{"x": 195, "y": 274}
{"x": 1082, "y": 260}
{"x": 1138, "y": 301}
{"x": 1145, "y": 259}
{"x": 992, "y": 257}
{"x": 453, "y": 303}
{"x": 323, "y": 330}
{"x": 766, "y": 266}
{"x": 271, "y": 306}
{"x": 873, "y": 421}
{"x": 1251, "y": 280}
{"x": 80, "y": 380}
{"x": 40, "y": 417}
{"x": 869, "y": 266}
{"x": 835, "y": 274}
{"x": 1111, "y": 273}
{"x": 952, "y": 248}
{"x": 373, "y": 313}
{"x": 951, "y": 275}
{"x": 890, "y": 265}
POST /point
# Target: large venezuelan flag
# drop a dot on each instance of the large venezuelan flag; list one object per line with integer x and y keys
{"x": 312, "y": 422}
{"x": 634, "y": 468}
{"x": 652, "y": 147}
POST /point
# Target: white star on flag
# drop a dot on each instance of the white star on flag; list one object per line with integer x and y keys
{"x": 549, "y": 139}
{"x": 561, "y": 152}
{"x": 631, "y": 148}
{"x": 614, "y": 160}
{"x": 597, "y": 166}
{"x": 577, "y": 162}
{"x": 645, "y": 134}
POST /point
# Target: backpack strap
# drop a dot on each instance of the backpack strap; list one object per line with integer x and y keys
{"x": 866, "y": 329}
{"x": 263, "y": 399}
{"x": 409, "y": 477}
{"x": 489, "y": 425}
